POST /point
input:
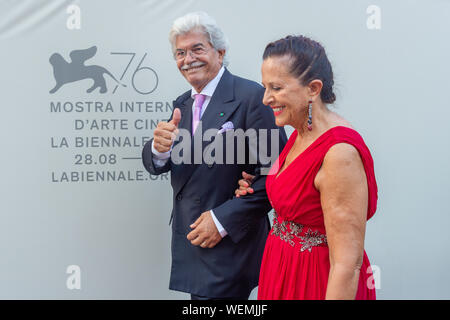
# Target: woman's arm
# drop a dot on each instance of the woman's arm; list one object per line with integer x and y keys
{"x": 342, "y": 184}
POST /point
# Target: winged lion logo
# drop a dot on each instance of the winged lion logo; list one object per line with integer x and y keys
{"x": 65, "y": 72}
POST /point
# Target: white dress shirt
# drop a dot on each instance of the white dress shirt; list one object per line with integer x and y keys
{"x": 160, "y": 159}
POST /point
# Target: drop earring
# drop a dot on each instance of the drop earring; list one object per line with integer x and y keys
{"x": 310, "y": 115}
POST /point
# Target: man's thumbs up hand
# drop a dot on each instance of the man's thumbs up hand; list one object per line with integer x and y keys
{"x": 166, "y": 132}
{"x": 176, "y": 117}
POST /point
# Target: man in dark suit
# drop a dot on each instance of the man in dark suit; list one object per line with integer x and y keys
{"x": 217, "y": 239}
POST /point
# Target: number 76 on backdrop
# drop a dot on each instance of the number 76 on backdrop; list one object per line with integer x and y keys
{"x": 141, "y": 72}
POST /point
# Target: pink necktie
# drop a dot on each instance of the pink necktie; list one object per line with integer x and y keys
{"x": 198, "y": 103}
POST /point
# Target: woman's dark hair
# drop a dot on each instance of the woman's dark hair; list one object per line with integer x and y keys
{"x": 309, "y": 62}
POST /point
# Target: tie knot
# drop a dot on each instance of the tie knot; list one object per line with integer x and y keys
{"x": 199, "y": 99}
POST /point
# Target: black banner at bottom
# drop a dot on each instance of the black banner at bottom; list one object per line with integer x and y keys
{"x": 182, "y": 309}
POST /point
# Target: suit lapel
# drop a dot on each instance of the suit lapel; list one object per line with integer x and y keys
{"x": 222, "y": 104}
{"x": 183, "y": 172}
{"x": 186, "y": 114}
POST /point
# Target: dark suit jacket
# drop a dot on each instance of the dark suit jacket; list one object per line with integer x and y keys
{"x": 231, "y": 268}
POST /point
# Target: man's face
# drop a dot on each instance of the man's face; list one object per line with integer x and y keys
{"x": 196, "y": 58}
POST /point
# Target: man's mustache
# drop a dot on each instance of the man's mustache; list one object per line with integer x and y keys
{"x": 192, "y": 65}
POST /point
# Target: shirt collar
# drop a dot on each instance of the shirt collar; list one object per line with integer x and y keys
{"x": 209, "y": 89}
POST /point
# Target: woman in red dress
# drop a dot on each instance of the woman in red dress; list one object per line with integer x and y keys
{"x": 322, "y": 187}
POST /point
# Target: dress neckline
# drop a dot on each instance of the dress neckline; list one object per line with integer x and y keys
{"x": 278, "y": 173}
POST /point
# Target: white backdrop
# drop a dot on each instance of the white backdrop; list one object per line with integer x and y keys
{"x": 390, "y": 60}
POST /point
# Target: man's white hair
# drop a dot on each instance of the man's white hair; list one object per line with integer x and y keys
{"x": 200, "y": 21}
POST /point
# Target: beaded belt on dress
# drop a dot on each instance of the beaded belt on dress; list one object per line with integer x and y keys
{"x": 291, "y": 233}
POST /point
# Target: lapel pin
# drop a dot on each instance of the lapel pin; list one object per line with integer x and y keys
{"x": 221, "y": 114}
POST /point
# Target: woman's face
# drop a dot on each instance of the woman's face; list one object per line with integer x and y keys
{"x": 284, "y": 93}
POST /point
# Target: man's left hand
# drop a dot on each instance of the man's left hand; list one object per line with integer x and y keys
{"x": 204, "y": 233}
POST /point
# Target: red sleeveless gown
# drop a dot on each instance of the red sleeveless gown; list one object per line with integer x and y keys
{"x": 296, "y": 264}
